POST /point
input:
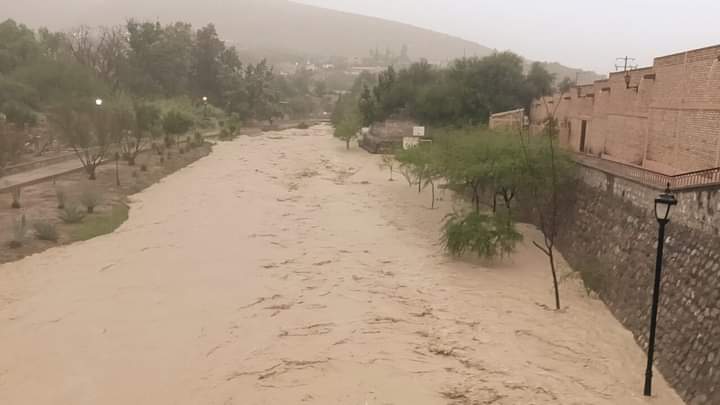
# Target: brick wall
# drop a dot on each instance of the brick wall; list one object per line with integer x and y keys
{"x": 668, "y": 121}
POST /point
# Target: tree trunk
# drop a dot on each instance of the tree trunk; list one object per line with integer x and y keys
{"x": 555, "y": 278}
{"x": 432, "y": 206}
{"x": 91, "y": 172}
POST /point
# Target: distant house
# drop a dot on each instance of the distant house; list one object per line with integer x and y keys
{"x": 511, "y": 120}
{"x": 385, "y": 137}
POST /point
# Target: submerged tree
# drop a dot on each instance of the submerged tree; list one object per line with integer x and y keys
{"x": 487, "y": 235}
{"x": 551, "y": 181}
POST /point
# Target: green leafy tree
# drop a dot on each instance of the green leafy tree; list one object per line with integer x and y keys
{"x": 565, "y": 85}
{"x": 145, "y": 117}
{"x": 17, "y": 46}
{"x": 208, "y": 56}
{"x": 486, "y": 235}
{"x": 349, "y": 128}
{"x": 11, "y": 143}
{"x": 539, "y": 82}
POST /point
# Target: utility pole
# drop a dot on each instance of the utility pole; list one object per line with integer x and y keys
{"x": 625, "y": 63}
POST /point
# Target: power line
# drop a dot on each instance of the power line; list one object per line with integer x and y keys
{"x": 626, "y": 63}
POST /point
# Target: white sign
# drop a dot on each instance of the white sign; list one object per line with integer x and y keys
{"x": 419, "y": 131}
{"x": 365, "y": 131}
{"x": 410, "y": 142}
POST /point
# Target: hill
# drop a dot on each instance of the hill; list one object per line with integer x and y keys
{"x": 269, "y": 25}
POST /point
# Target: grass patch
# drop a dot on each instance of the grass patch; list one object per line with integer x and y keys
{"x": 100, "y": 223}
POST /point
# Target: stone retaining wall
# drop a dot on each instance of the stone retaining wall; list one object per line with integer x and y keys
{"x": 612, "y": 242}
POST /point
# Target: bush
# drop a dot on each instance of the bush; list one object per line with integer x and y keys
{"x": 485, "y": 234}
{"x": 46, "y": 231}
{"x": 90, "y": 198}
{"x": 143, "y": 167}
{"x": 19, "y": 232}
{"x": 303, "y": 125}
{"x": 176, "y": 123}
{"x": 61, "y": 197}
{"x": 72, "y": 214}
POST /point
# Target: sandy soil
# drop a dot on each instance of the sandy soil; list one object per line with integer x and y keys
{"x": 283, "y": 269}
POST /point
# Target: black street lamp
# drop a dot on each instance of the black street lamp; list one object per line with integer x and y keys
{"x": 663, "y": 205}
{"x": 205, "y": 101}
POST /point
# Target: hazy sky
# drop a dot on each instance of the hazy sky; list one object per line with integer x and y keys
{"x": 577, "y": 33}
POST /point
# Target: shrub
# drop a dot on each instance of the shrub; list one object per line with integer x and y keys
{"x": 16, "y": 198}
{"x": 90, "y": 198}
{"x": 61, "y": 197}
{"x": 143, "y": 167}
{"x": 72, "y": 214}
{"x": 485, "y": 234}
{"x": 46, "y": 231}
{"x": 19, "y": 232}
{"x": 303, "y": 125}
{"x": 176, "y": 123}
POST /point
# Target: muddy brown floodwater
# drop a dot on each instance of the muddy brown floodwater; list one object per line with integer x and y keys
{"x": 283, "y": 269}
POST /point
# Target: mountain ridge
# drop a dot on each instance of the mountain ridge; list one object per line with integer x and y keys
{"x": 268, "y": 24}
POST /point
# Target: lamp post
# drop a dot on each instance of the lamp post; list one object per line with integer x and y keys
{"x": 205, "y": 101}
{"x": 98, "y": 102}
{"x": 663, "y": 205}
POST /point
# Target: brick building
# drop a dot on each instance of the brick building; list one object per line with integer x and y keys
{"x": 667, "y": 119}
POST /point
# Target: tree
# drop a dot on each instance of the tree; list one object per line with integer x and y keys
{"x": 565, "y": 85}
{"x": 207, "y": 64}
{"x": 488, "y": 236}
{"x": 159, "y": 58}
{"x": 388, "y": 162}
{"x": 11, "y": 143}
{"x": 423, "y": 163}
{"x": 103, "y": 50}
{"x": 349, "y": 127}
{"x": 551, "y": 181}
{"x": 17, "y": 46}
{"x": 90, "y": 132}
{"x": 539, "y": 83}
{"x": 146, "y": 118}
{"x": 367, "y": 106}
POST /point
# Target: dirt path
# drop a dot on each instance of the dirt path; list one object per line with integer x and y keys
{"x": 285, "y": 270}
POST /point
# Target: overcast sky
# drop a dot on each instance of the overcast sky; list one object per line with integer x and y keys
{"x": 574, "y": 32}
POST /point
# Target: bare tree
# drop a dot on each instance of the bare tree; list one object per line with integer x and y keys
{"x": 91, "y": 134}
{"x": 551, "y": 182}
{"x": 104, "y": 50}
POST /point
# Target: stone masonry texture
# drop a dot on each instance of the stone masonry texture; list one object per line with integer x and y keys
{"x": 612, "y": 239}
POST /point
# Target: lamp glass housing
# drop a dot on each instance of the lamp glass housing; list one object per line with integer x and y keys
{"x": 664, "y": 204}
